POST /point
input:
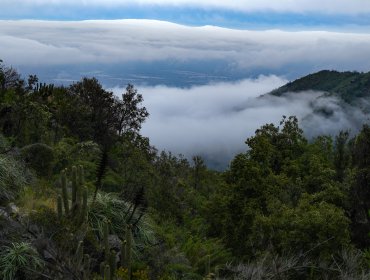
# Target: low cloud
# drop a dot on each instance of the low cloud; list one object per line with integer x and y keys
{"x": 70, "y": 44}
{"x": 215, "y": 120}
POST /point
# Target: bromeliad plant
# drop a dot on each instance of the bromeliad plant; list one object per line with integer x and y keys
{"x": 12, "y": 177}
{"x": 109, "y": 207}
{"x": 17, "y": 260}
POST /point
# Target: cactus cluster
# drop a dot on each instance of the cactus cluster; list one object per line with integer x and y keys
{"x": 75, "y": 209}
{"x": 78, "y": 209}
{"x": 82, "y": 262}
{"x": 44, "y": 90}
{"x": 108, "y": 268}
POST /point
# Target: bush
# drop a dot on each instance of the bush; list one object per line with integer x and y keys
{"x": 39, "y": 157}
{"x": 317, "y": 228}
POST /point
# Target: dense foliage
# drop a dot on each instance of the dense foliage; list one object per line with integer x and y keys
{"x": 349, "y": 86}
{"x": 84, "y": 196}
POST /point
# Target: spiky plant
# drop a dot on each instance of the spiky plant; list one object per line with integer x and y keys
{"x": 100, "y": 172}
{"x": 18, "y": 260}
{"x": 117, "y": 212}
{"x": 12, "y": 177}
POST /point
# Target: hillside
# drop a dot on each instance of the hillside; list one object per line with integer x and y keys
{"x": 83, "y": 195}
{"x": 347, "y": 85}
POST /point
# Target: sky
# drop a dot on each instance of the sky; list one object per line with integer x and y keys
{"x": 235, "y": 13}
{"x": 200, "y": 65}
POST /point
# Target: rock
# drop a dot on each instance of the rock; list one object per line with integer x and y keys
{"x": 34, "y": 229}
{"x": 114, "y": 242}
{"x": 48, "y": 257}
{"x": 9, "y": 225}
{"x": 12, "y": 209}
{"x": 4, "y": 214}
{"x": 45, "y": 248}
{"x": 40, "y": 244}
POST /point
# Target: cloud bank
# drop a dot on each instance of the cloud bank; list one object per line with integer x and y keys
{"x": 296, "y": 6}
{"x": 215, "y": 120}
{"x": 70, "y": 44}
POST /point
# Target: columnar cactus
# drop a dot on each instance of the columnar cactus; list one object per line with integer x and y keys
{"x": 74, "y": 186}
{"x": 107, "y": 274}
{"x": 102, "y": 267}
{"x": 60, "y": 207}
{"x": 78, "y": 209}
{"x": 83, "y": 210}
{"x": 128, "y": 250}
{"x": 123, "y": 253}
{"x": 106, "y": 242}
{"x": 112, "y": 263}
{"x": 65, "y": 193}
{"x": 81, "y": 261}
{"x": 79, "y": 253}
{"x": 86, "y": 272}
{"x": 208, "y": 265}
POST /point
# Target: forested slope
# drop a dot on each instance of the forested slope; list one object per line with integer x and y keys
{"x": 347, "y": 85}
{"x": 83, "y": 195}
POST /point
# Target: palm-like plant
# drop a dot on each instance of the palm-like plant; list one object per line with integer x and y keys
{"x": 18, "y": 260}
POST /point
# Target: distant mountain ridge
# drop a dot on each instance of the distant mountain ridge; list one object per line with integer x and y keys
{"x": 349, "y": 86}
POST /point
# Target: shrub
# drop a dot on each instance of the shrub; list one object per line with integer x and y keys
{"x": 39, "y": 157}
{"x": 318, "y": 228}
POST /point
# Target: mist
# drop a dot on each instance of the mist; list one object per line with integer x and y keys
{"x": 215, "y": 120}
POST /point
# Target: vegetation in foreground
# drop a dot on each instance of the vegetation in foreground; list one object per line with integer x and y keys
{"x": 84, "y": 196}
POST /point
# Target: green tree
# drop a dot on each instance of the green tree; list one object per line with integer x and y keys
{"x": 97, "y": 108}
{"x": 342, "y": 155}
{"x": 9, "y": 77}
{"x": 359, "y": 191}
{"x": 271, "y": 180}
{"x": 315, "y": 228}
{"x": 130, "y": 115}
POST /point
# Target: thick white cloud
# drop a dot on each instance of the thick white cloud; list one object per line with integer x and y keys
{"x": 52, "y": 42}
{"x": 208, "y": 120}
{"x": 214, "y": 120}
{"x": 298, "y": 6}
